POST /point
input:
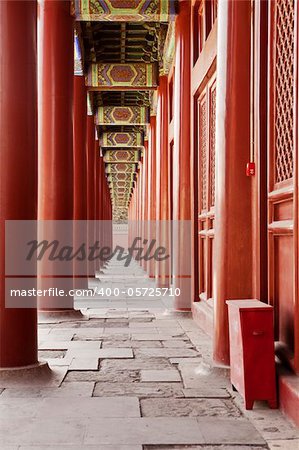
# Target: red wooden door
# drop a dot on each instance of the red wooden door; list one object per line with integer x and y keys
{"x": 282, "y": 175}
{"x": 206, "y": 113}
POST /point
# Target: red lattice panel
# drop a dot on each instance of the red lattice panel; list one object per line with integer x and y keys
{"x": 284, "y": 89}
{"x": 212, "y": 144}
{"x": 203, "y": 152}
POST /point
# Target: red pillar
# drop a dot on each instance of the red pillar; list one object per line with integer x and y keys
{"x": 233, "y": 225}
{"x": 182, "y": 157}
{"x": 162, "y": 184}
{"x": 56, "y": 71}
{"x": 18, "y": 194}
{"x": 80, "y": 176}
{"x": 152, "y": 189}
{"x": 91, "y": 174}
{"x": 145, "y": 201}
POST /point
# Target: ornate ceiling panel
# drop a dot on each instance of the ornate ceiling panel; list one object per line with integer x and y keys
{"x": 122, "y": 115}
{"x": 121, "y": 47}
{"x": 124, "y": 155}
{"x": 124, "y": 10}
{"x": 138, "y": 75}
{"x": 121, "y": 168}
{"x": 118, "y": 139}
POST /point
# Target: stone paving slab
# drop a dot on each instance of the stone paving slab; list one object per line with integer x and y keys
{"x": 15, "y": 408}
{"x": 229, "y": 431}
{"x": 131, "y": 344}
{"x": 84, "y": 364}
{"x": 171, "y": 407}
{"x": 145, "y": 431}
{"x": 165, "y": 352}
{"x": 284, "y": 444}
{"x": 67, "y": 390}
{"x": 42, "y": 431}
{"x": 76, "y": 447}
{"x": 160, "y": 375}
{"x": 141, "y": 390}
{"x": 206, "y": 392}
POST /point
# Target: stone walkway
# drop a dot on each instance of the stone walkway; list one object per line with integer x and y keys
{"x": 132, "y": 375}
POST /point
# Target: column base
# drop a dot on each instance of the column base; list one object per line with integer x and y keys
{"x": 60, "y": 315}
{"x": 29, "y": 375}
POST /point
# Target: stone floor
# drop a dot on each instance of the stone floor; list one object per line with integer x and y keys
{"x": 132, "y": 375}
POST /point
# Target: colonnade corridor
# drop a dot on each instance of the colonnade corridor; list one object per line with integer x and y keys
{"x": 149, "y": 224}
{"x": 132, "y": 374}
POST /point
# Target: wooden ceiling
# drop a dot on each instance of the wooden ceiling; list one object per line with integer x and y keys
{"x": 122, "y": 58}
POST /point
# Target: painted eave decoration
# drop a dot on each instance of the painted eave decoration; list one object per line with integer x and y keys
{"x": 115, "y": 156}
{"x": 119, "y": 139}
{"x": 122, "y": 115}
{"x": 124, "y": 10}
{"x": 139, "y": 75}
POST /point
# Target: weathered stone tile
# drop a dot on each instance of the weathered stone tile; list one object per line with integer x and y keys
{"x": 84, "y": 364}
{"x": 136, "y": 364}
{"x": 284, "y": 444}
{"x": 82, "y": 389}
{"x": 160, "y": 375}
{"x": 174, "y": 343}
{"x": 177, "y": 407}
{"x": 42, "y": 431}
{"x": 115, "y": 353}
{"x": 130, "y": 344}
{"x": 165, "y": 352}
{"x": 80, "y": 447}
{"x": 201, "y": 375}
{"x": 229, "y": 431}
{"x": 192, "y": 360}
{"x": 149, "y": 337}
{"x": 141, "y": 390}
{"x": 206, "y": 392}
{"x": 86, "y": 407}
{"x": 145, "y": 431}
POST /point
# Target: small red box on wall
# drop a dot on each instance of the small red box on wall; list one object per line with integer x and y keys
{"x": 252, "y": 358}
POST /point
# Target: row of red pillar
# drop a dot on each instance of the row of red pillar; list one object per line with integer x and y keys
{"x": 151, "y": 201}
{"x": 71, "y": 182}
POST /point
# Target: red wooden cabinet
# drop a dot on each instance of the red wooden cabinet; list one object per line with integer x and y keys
{"x": 252, "y": 357}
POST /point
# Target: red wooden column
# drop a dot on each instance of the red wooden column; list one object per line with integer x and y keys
{"x": 80, "y": 177}
{"x": 90, "y": 151}
{"x": 145, "y": 201}
{"x": 55, "y": 113}
{"x": 18, "y": 194}
{"x": 140, "y": 202}
{"x": 233, "y": 227}
{"x": 182, "y": 156}
{"x": 152, "y": 189}
{"x": 97, "y": 201}
{"x": 162, "y": 184}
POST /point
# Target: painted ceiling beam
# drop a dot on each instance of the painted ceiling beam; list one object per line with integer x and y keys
{"x": 122, "y": 75}
{"x": 122, "y": 115}
{"x": 124, "y": 10}
{"x": 119, "y": 139}
{"x": 123, "y": 155}
{"x": 121, "y": 168}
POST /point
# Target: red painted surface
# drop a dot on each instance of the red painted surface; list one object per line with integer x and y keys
{"x": 152, "y": 188}
{"x": 55, "y": 115}
{"x": 182, "y": 155}
{"x": 80, "y": 150}
{"x": 162, "y": 185}
{"x": 252, "y": 361}
{"x": 289, "y": 396}
{"x": 91, "y": 180}
{"x": 18, "y": 194}
{"x": 80, "y": 175}
{"x": 233, "y": 228}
